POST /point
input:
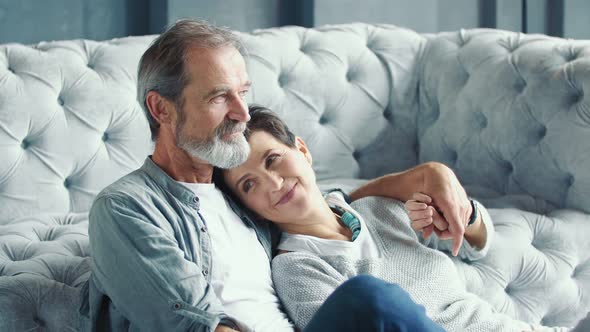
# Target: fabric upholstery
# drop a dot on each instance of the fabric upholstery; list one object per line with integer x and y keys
{"x": 506, "y": 111}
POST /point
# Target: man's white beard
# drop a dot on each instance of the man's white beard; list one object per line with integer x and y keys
{"x": 216, "y": 151}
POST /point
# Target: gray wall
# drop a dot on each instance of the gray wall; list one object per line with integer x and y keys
{"x": 30, "y": 21}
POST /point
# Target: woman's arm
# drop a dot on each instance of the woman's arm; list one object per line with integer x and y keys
{"x": 433, "y": 179}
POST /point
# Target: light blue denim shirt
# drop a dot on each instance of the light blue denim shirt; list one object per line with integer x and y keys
{"x": 151, "y": 257}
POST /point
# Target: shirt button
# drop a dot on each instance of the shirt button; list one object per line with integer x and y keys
{"x": 205, "y": 272}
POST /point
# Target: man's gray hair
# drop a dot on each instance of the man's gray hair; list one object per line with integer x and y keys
{"x": 162, "y": 66}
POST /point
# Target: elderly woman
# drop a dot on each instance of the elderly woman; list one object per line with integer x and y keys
{"x": 327, "y": 239}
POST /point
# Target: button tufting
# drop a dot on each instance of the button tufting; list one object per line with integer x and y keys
{"x": 519, "y": 86}
{"x": 508, "y": 167}
{"x": 570, "y": 56}
{"x": 482, "y": 120}
{"x": 356, "y": 155}
{"x": 282, "y": 80}
{"x": 387, "y": 114}
{"x": 90, "y": 65}
{"x": 577, "y": 97}
{"x": 349, "y": 76}
{"x": 542, "y": 132}
{"x": 25, "y": 144}
{"x": 38, "y": 321}
{"x": 105, "y": 137}
{"x": 67, "y": 182}
{"x": 60, "y": 101}
{"x": 10, "y": 69}
{"x": 453, "y": 156}
{"x": 570, "y": 180}
{"x": 323, "y": 120}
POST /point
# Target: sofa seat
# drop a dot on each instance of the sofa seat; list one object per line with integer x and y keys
{"x": 44, "y": 261}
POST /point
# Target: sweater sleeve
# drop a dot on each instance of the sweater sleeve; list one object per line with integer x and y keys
{"x": 466, "y": 252}
{"x": 303, "y": 282}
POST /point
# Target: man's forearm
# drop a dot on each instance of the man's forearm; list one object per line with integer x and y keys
{"x": 399, "y": 185}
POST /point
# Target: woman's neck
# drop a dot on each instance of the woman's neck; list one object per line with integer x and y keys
{"x": 320, "y": 222}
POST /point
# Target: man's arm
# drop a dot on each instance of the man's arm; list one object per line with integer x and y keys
{"x": 433, "y": 179}
{"x": 141, "y": 268}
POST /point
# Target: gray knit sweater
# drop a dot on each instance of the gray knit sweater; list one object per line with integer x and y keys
{"x": 303, "y": 281}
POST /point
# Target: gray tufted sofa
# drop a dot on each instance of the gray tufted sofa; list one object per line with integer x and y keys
{"x": 506, "y": 111}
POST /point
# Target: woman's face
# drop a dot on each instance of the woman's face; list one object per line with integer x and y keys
{"x": 276, "y": 182}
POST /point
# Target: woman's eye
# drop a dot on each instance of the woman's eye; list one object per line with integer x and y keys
{"x": 247, "y": 185}
{"x": 270, "y": 159}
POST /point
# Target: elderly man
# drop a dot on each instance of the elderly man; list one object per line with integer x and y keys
{"x": 171, "y": 253}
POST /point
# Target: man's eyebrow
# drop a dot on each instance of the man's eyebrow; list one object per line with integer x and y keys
{"x": 246, "y": 175}
{"x": 223, "y": 89}
{"x": 216, "y": 91}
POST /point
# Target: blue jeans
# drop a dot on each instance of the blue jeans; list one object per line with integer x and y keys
{"x": 365, "y": 303}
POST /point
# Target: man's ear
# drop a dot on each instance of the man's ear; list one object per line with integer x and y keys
{"x": 160, "y": 108}
{"x": 303, "y": 148}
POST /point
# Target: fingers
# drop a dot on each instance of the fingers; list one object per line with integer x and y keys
{"x": 439, "y": 222}
{"x": 412, "y": 205}
{"x": 419, "y": 225}
{"x": 420, "y": 197}
{"x": 427, "y": 231}
{"x": 420, "y": 214}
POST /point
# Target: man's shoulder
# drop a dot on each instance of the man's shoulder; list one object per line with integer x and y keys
{"x": 129, "y": 187}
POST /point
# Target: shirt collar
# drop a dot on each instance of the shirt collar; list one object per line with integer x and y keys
{"x": 168, "y": 183}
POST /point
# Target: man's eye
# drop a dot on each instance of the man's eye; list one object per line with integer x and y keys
{"x": 243, "y": 93}
{"x": 218, "y": 99}
{"x": 247, "y": 185}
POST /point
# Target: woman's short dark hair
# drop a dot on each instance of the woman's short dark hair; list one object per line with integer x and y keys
{"x": 263, "y": 119}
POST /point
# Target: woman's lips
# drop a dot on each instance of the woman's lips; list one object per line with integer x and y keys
{"x": 288, "y": 195}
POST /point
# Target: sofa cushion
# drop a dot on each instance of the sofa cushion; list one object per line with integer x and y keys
{"x": 508, "y": 113}
{"x": 44, "y": 261}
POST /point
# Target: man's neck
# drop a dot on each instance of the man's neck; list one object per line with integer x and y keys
{"x": 179, "y": 165}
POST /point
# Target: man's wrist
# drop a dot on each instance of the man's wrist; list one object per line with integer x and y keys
{"x": 473, "y": 213}
{"x": 476, "y": 233}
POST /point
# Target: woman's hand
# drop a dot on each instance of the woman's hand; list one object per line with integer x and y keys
{"x": 424, "y": 217}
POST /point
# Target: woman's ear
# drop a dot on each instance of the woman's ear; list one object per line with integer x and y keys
{"x": 303, "y": 149}
{"x": 160, "y": 108}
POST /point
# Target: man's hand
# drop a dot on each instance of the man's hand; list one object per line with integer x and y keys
{"x": 448, "y": 197}
{"x": 432, "y": 179}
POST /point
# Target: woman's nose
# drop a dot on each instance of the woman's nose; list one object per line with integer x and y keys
{"x": 275, "y": 181}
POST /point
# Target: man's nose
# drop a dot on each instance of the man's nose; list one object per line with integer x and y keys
{"x": 238, "y": 110}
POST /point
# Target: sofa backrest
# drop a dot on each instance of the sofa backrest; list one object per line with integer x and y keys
{"x": 508, "y": 113}
{"x": 70, "y": 123}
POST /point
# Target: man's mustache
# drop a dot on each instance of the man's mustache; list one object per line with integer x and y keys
{"x": 228, "y": 127}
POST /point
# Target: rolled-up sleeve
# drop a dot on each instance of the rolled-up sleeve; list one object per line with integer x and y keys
{"x": 139, "y": 265}
{"x": 467, "y": 251}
